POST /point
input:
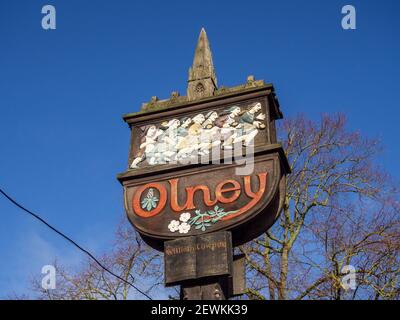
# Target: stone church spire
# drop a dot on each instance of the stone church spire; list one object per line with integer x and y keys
{"x": 202, "y": 80}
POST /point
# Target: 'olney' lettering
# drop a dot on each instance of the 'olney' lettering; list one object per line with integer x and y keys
{"x": 220, "y": 195}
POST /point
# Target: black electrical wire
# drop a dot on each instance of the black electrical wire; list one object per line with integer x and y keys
{"x": 73, "y": 242}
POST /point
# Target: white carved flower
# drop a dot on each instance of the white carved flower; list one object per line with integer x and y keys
{"x": 185, "y": 216}
{"x": 184, "y": 227}
{"x": 173, "y": 225}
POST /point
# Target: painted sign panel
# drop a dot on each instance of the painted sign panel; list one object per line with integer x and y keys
{"x": 182, "y": 204}
{"x": 179, "y": 139}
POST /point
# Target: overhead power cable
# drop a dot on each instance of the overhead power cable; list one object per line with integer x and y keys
{"x": 73, "y": 242}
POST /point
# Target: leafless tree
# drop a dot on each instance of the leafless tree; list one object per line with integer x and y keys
{"x": 131, "y": 259}
{"x": 340, "y": 210}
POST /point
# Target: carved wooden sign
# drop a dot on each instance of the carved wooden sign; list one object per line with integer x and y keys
{"x": 183, "y": 178}
{"x": 205, "y": 173}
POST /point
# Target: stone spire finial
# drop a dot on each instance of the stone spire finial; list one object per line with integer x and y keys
{"x": 202, "y": 80}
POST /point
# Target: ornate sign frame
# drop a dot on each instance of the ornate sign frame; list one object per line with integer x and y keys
{"x": 180, "y": 181}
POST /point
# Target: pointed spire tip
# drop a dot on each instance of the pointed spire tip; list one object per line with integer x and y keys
{"x": 202, "y": 73}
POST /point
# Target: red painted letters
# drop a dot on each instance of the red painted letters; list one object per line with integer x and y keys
{"x": 220, "y": 195}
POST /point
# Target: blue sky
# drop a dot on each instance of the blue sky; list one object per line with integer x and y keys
{"x": 63, "y": 92}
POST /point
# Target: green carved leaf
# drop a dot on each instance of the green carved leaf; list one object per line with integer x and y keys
{"x": 204, "y": 220}
{"x": 149, "y": 202}
{"x": 144, "y": 203}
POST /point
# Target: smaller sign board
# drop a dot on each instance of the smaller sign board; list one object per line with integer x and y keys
{"x": 199, "y": 256}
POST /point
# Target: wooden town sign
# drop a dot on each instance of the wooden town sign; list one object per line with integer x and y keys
{"x": 205, "y": 162}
